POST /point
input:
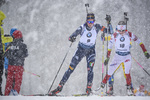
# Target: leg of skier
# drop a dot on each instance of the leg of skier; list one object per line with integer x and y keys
{"x": 90, "y": 58}
{"x": 127, "y": 64}
{"x": 111, "y": 79}
{"x": 113, "y": 66}
{"x": 1, "y": 73}
{"x": 18, "y": 79}
{"x": 111, "y": 82}
{"x": 74, "y": 62}
{"x": 9, "y": 81}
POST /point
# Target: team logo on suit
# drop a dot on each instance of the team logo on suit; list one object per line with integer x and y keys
{"x": 122, "y": 39}
{"x": 89, "y": 34}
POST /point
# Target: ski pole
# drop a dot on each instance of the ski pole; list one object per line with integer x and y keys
{"x": 103, "y": 58}
{"x": 102, "y": 61}
{"x": 140, "y": 65}
{"x": 87, "y": 5}
{"x": 107, "y": 19}
{"x": 125, "y": 18}
{"x": 60, "y": 68}
{"x": 31, "y": 73}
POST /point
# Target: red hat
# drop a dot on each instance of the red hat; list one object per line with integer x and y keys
{"x": 17, "y": 34}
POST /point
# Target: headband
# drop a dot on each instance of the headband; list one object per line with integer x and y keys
{"x": 121, "y": 27}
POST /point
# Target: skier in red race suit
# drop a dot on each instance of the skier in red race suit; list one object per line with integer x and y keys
{"x": 122, "y": 39}
{"x": 16, "y": 53}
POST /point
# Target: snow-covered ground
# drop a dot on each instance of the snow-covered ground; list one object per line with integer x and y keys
{"x": 74, "y": 98}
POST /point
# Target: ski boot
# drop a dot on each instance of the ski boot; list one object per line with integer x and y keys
{"x": 13, "y": 93}
{"x": 110, "y": 91}
{"x": 57, "y": 90}
{"x": 102, "y": 85}
{"x": 102, "y": 88}
{"x": 1, "y": 94}
{"x": 129, "y": 90}
{"x": 88, "y": 89}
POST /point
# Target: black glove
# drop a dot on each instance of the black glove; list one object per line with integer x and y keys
{"x": 72, "y": 38}
{"x": 108, "y": 18}
{"x": 6, "y": 73}
{"x": 146, "y": 55}
{"x": 106, "y": 61}
{"x": 103, "y": 36}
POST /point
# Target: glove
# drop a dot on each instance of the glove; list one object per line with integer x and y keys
{"x": 6, "y": 72}
{"x": 106, "y": 61}
{"x": 146, "y": 54}
{"x": 103, "y": 36}
{"x": 72, "y": 39}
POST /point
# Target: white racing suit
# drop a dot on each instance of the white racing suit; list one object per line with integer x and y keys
{"x": 122, "y": 49}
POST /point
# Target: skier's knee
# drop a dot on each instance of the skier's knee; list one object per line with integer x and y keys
{"x": 75, "y": 60}
{"x": 91, "y": 64}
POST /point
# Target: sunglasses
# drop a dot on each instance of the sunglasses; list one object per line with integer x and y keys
{"x": 90, "y": 22}
{"x": 121, "y": 30}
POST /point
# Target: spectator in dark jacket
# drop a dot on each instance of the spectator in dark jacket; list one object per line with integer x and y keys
{"x": 16, "y": 53}
{"x": 3, "y": 39}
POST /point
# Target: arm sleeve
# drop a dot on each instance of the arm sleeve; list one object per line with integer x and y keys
{"x": 135, "y": 38}
{"x": 6, "y": 39}
{"x": 110, "y": 45}
{"x": 110, "y": 29}
{"x": 100, "y": 28}
{"x": 77, "y": 32}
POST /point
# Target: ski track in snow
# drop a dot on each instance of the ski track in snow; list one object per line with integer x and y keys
{"x": 73, "y": 98}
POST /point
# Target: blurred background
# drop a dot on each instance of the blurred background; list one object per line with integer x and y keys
{"x": 46, "y": 26}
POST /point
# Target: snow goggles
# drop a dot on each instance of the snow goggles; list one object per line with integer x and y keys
{"x": 90, "y": 22}
{"x": 121, "y": 30}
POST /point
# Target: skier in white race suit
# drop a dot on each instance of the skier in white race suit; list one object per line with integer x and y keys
{"x": 122, "y": 39}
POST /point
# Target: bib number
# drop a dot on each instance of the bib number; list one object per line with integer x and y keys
{"x": 122, "y": 45}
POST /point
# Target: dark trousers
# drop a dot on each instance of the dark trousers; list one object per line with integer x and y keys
{"x": 1, "y": 73}
{"x": 90, "y": 58}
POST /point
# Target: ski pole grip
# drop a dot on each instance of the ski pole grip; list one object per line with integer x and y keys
{"x": 86, "y": 5}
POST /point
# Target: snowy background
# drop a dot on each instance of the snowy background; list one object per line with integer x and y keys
{"x": 46, "y": 26}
